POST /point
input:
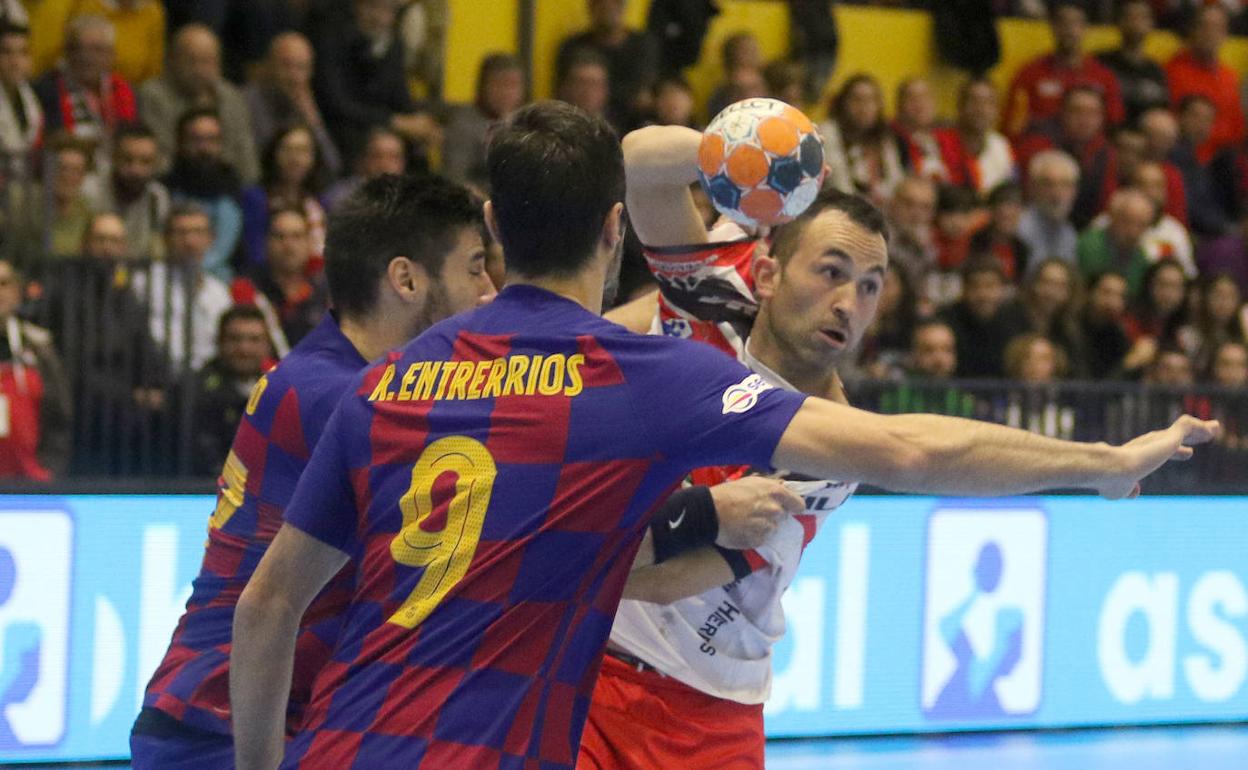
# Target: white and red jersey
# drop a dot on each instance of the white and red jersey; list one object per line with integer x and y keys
{"x": 720, "y": 642}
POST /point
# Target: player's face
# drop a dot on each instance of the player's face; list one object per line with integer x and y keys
{"x": 463, "y": 283}
{"x": 826, "y": 295}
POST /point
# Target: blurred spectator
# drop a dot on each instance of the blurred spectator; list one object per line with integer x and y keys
{"x": 179, "y": 292}
{"x": 814, "y": 41}
{"x": 1161, "y": 306}
{"x": 933, "y": 351}
{"x": 1080, "y": 132}
{"x": 1033, "y": 359}
{"x": 786, "y": 81}
{"x": 1166, "y": 237}
{"x": 1130, "y": 149}
{"x": 585, "y": 83}
{"x": 999, "y": 238}
{"x": 1046, "y": 306}
{"x": 245, "y": 27}
{"x": 21, "y": 117}
{"x": 292, "y": 303}
{"x": 105, "y": 238}
{"x": 973, "y": 153}
{"x": 1171, "y": 368}
{"x": 194, "y": 82}
{"x": 981, "y": 328}
{"x": 915, "y": 125}
{"x": 1209, "y": 184}
{"x": 140, "y": 26}
{"x": 1118, "y": 244}
{"x": 133, "y": 192}
{"x": 1052, "y": 181}
{"x": 1230, "y": 365}
{"x": 1197, "y": 70}
{"x": 361, "y": 82}
{"x": 1161, "y": 135}
{"x": 1142, "y": 80}
{"x": 292, "y": 175}
{"x": 673, "y": 103}
{"x": 632, "y": 59}
{"x": 85, "y": 97}
{"x": 500, "y": 92}
{"x": 861, "y": 151}
{"x": 51, "y": 224}
{"x": 1106, "y": 345}
{"x": 225, "y": 383}
{"x": 886, "y": 343}
{"x": 679, "y": 27}
{"x": 912, "y": 215}
{"x": 203, "y": 176}
{"x": 1037, "y": 91}
{"x": 283, "y": 96}
{"x": 35, "y": 404}
{"x": 384, "y": 153}
{"x": 742, "y": 61}
{"x": 1219, "y": 319}
{"x": 966, "y": 35}
{"x": 958, "y": 218}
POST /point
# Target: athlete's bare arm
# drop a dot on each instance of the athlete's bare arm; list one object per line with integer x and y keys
{"x": 940, "y": 455}
{"x": 660, "y": 162}
{"x": 294, "y": 569}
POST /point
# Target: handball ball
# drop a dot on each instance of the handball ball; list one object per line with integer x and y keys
{"x": 761, "y": 162}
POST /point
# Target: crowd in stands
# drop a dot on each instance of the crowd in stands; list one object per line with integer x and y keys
{"x": 169, "y": 169}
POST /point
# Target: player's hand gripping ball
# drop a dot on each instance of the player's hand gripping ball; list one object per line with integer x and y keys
{"x": 761, "y": 162}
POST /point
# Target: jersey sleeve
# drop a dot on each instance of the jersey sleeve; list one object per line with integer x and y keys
{"x": 704, "y": 408}
{"x": 323, "y": 504}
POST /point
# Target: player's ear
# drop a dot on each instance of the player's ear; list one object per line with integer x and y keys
{"x": 766, "y": 270}
{"x": 408, "y": 279}
{"x": 613, "y": 226}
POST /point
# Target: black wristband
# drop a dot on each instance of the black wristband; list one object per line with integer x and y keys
{"x": 737, "y": 562}
{"x": 685, "y": 521}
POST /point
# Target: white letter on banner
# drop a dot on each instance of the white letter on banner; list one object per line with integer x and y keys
{"x": 797, "y": 687}
{"x": 1213, "y": 683}
{"x": 161, "y": 599}
{"x": 1157, "y": 600}
{"x": 851, "y": 616}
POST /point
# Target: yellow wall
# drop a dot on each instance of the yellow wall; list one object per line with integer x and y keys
{"x": 891, "y": 44}
{"x": 475, "y": 29}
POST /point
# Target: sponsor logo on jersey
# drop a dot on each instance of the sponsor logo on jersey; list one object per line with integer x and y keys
{"x": 741, "y": 398}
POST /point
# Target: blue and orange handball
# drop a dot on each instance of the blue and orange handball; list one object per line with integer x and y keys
{"x": 761, "y": 162}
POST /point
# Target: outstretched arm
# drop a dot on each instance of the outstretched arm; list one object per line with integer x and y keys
{"x": 951, "y": 456}
{"x": 294, "y": 569}
{"x": 660, "y": 162}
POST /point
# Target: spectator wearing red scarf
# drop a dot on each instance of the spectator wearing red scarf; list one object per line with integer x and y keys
{"x": 85, "y": 97}
{"x": 292, "y": 303}
{"x": 973, "y": 154}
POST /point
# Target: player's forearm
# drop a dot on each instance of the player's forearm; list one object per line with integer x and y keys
{"x": 686, "y": 575}
{"x": 261, "y": 662}
{"x": 966, "y": 457}
{"x": 661, "y": 156}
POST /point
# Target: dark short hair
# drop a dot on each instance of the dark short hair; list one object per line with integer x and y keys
{"x": 187, "y": 209}
{"x": 786, "y": 238}
{"x": 1008, "y": 191}
{"x": 582, "y": 57}
{"x": 952, "y": 198}
{"x": 495, "y": 63}
{"x": 1187, "y": 101}
{"x": 981, "y": 264}
{"x": 930, "y": 323}
{"x": 418, "y": 217}
{"x": 555, "y": 173}
{"x": 192, "y": 115}
{"x": 239, "y": 313}
{"x": 132, "y": 131}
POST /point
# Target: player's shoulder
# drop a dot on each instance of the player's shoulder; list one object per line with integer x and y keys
{"x": 319, "y": 367}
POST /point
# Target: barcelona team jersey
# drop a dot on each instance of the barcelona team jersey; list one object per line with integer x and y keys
{"x": 492, "y": 481}
{"x": 282, "y": 423}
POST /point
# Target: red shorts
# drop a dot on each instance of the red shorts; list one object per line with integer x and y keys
{"x": 645, "y": 720}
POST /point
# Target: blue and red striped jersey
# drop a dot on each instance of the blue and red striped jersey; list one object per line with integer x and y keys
{"x": 281, "y": 425}
{"x": 492, "y": 481}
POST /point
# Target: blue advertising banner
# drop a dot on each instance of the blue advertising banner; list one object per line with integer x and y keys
{"x": 909, "y": 614}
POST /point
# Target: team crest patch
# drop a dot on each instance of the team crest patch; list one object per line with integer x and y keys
{"x": 741, "y": 398}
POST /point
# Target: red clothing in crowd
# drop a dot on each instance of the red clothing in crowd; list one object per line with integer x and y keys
{"x": 21, "y": 393}
{"x": 1037, "y": 91}
{"x": 1188, "y": 75}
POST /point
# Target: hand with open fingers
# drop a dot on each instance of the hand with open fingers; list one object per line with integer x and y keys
{"x": 1145, "y": 454}
{"x": 750, "y": 509}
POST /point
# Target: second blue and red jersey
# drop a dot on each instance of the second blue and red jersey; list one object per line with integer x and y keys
{"x": 492, "y": 481}
{"x": 282, "y": 423}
